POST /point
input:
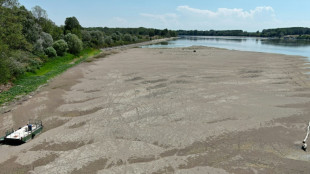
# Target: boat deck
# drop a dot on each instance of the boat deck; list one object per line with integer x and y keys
{"x": 21, "y": 133}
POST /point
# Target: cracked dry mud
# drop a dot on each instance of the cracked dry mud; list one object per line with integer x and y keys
{"x": 168, "y": 111}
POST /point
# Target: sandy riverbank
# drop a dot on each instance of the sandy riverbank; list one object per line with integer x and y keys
{"x": 168, "y": 110}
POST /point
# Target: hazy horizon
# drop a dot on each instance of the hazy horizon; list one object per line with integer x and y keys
{"x": 179, "y": 14}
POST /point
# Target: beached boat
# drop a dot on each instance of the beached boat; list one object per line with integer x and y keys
{"x": 23, "y": 134}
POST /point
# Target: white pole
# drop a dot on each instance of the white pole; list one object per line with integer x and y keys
{"x": 307, "y": 132}
{"x": 304, "y": 146}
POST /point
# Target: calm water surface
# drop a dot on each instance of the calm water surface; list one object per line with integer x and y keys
{"x": 289, "y": 47}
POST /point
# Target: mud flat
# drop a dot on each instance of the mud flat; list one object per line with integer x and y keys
{"x": 168, "y": 111}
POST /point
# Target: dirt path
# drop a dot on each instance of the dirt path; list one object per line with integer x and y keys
{"x": 168, "y": 111}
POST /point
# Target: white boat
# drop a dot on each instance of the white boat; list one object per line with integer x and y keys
{"x": 23, "y": 134}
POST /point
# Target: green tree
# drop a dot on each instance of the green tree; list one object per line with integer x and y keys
{"x": 151, "y": 33}
{"x": 11, "y": 30}
{"x": 61, "y": 47}
{"x": 86, "y": 38}
{"x": 38, "y": 47}
{"x": 108, "y": 40}
{"x": 165, "y": 33}
{"x": 173, "y": 34}
{"x": 46, "y": 24}
{"x": 39, "y": 12}
{"x": 97, "y": 38}
{"x": 116, "y": 37}
{"x": 9, "y": 3}
{"x": 57, "y": 32}
{"x": 127, "y": 38}
{"x": 47, "y": 40}
{"x": 4, "y": 68}
{"x": 75, "y": 45}
{"x": 134, "y": 38}
{"x": 157, "y": 32}
{"x": 31, "y": 29}
{"x": 73, "y": 26}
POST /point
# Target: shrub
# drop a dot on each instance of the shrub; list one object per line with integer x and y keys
{"x": 116, "y": 37}
{"x": 127, "y": 38}
{"x": 32, "y": 31}
{"x": 135, "y": 39}
{"x": 38, "y": 47}
{"x": 86, "y": 38}
{"x": 75, "y": 45}
{"x": 50, "y": 52}
{"x": 61, "y": 47}
{"x": 47, "y": 40}
{"x": 4, "y": 71}
{"x": 16, "y": 68}
{"x": 108, "y": 40}
{"x": 20, "y": 61}
{"x": 97, "y": 38}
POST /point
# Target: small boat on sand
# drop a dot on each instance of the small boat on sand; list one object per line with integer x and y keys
{"x": 23, "y": 134}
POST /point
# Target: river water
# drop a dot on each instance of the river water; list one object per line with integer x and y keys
{"x": 288, "y": 47}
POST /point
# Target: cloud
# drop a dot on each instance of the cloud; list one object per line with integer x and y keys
{"x": 254, "y": 19}
{"x": 186, "y": 17}
{"x": 164, "y": 18}
{"x": 226, "y": 12}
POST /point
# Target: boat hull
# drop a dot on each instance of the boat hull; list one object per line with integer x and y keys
{"x": 33, "y": 134}
{"x": 13, "y": 141}
{"x": 23, "y": 134}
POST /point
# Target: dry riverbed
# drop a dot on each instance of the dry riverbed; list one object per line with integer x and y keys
{"x": 168, "y": 111}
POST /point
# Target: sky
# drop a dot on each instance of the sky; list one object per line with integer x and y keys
{"x": 247, "y": 15}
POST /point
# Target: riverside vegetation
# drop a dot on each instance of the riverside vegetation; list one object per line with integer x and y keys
{"x": 34, "y": 49}
{"x": 299, "y": 32}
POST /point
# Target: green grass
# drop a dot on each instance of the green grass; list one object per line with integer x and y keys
{"x": 29, "y": 82}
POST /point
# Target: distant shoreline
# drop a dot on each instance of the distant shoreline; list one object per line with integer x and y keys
{"x": 139, "y": 44}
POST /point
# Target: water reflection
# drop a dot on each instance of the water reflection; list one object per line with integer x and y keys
{"x": 164, "y": 43}
{"x": 286, "y": 43}
{"x": 217, "y": 39}
{"x": 289, "y": 47}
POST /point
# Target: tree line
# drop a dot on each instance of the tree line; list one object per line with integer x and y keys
{"x": 280, "y": 32}
{"x": 28, "y": 38}
{"x": 299, "y": 32}
{"x": 215, "y": 33}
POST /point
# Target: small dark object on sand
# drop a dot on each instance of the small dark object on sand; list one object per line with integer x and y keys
{"x": 194, "y": 51}
{"x": 304, "y": 146}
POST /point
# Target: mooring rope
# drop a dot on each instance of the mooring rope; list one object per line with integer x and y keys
{"x": 304, "y": 146}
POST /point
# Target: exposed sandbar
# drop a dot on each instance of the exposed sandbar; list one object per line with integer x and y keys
{"x": 168, "y": 110}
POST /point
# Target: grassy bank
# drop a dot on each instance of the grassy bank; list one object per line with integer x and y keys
{"x": 29, "y": 82}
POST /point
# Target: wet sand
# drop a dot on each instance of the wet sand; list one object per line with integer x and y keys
{"x": 167, "y": 111}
